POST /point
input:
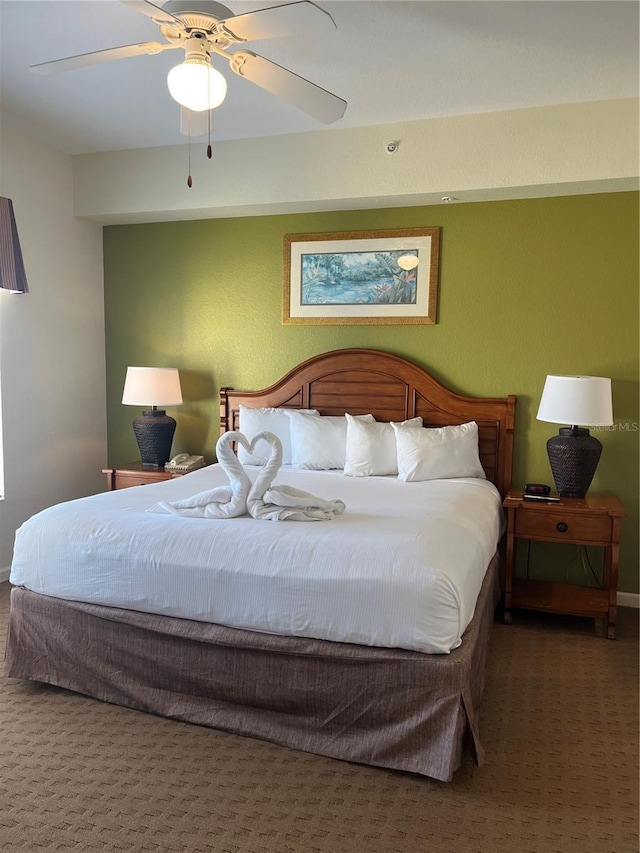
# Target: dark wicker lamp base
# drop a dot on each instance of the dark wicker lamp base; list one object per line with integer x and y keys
{"x": 574, "y": 457}
{"x": 154, "y": 434}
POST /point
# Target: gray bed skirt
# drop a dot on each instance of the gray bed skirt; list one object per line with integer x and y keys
{"x": 383, "y": 707}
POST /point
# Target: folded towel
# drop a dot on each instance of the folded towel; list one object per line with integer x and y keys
{"x": 284, "y": 503}
{"x": 223, "y": 501}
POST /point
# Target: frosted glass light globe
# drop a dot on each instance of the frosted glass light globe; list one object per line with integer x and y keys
{"x": 197, "y": 85}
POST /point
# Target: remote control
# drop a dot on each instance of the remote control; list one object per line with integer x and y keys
{"x": 545, "y": 499}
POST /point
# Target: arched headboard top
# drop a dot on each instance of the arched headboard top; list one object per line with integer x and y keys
{"x": 391, "y": 388}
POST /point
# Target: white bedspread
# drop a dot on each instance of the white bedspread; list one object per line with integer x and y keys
{"x": 401, "y": 568}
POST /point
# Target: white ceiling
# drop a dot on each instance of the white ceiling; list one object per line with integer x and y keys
{"x": 391, "y": 60}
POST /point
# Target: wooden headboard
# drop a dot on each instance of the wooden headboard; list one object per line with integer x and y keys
{"x": 362, "y": 381}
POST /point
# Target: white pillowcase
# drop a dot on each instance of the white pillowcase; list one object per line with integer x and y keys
{"x": 438, "y": 453}
{"x": 253, "y": 421}
{"x": 371, "y": 447}
{"x": 319, "y": 443}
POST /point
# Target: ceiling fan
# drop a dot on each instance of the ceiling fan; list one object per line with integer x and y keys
{"x": 204, "y": 27}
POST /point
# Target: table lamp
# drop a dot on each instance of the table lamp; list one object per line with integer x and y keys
{"x": 574, "y": 453}
{"x": 153, "y": 387}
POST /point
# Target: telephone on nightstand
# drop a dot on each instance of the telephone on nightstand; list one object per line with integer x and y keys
{"x": 184, "y": 463}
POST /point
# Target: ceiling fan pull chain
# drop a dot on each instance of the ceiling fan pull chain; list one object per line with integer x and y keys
{"x": 209, "y": 118}
{"x": 189, "y": 178}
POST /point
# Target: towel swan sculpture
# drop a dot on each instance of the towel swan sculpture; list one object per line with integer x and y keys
{"x": 261, "y": 499}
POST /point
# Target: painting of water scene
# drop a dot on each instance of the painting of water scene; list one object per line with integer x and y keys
{"x": 361, "y": 277}
{"x": 354, "y": 278}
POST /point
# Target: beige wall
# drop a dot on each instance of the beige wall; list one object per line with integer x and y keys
{"x": 545, "y": 151}
{"x": 52, "y": 362}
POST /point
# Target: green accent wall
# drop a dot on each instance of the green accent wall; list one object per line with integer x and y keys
{"x": 527, "y": 288}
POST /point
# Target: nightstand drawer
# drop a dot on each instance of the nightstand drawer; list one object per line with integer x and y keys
{"x": 124, "y": 482}
{"x": 135, "y": 474}
{"x": 562, "y": 527}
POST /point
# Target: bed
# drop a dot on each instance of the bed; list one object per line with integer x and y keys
{"x": 81, "y": 617}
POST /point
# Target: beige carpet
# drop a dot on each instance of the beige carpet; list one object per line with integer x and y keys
{"x": 559, "y": 725}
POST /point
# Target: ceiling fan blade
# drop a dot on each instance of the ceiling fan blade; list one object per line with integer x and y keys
{"x": 290, "y": 87}
{"x": 84, "y": 60}
{"x": 288, "y": 19}
{"x": 192, "y": 123}
{"x": 160, "y": 16}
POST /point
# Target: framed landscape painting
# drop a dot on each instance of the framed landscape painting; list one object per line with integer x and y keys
{"x": 361, "y": 277}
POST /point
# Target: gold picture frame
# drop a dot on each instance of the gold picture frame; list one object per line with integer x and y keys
{"x": 354, "y": 278}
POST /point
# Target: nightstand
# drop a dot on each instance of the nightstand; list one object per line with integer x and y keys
{"x": 135, "y": 474}
{"x": 593, "y": 520}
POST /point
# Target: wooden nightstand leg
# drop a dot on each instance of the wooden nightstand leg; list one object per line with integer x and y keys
{"x": 610, "y": 578}
{"x": 509, "y": 566}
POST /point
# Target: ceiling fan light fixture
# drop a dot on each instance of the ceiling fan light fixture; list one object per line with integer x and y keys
{"x": 196, "y": 85}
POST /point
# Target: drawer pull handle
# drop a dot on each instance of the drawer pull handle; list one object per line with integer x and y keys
{"x": 562, "y": 526}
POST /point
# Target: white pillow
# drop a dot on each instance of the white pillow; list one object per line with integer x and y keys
{"x": 253, "y": 421}
{"x": 438, "y": 454}
{"x": 319, "y": 443}
{"x": 371, "y": 447}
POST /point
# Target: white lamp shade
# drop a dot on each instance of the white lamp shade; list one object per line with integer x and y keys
{"x": 197, "y": 85}
{"x": 152, "y": 386}
{"x": 576, "y": 400}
